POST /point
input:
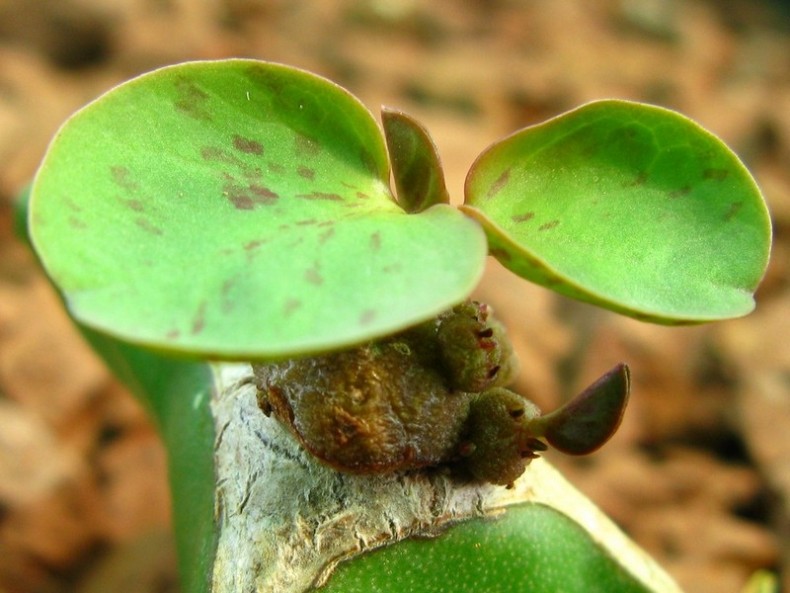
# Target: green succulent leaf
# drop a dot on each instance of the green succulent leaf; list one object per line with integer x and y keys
{"x": 240, "y": 210}
{"x": 531, "y": 548}
{"x": 177, "y": 394}
{"x": 417, "y": 170}
{"x": 627, "y": 206}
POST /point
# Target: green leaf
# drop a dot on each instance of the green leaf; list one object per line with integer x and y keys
{"x": 177, "y": 394}
{"x": 627, "y": 206}
{"x": 240, "y": 210}
{"x": 530, "y": 548}
{"x": 417, "y": 170}
{"x": 547, "y": 537}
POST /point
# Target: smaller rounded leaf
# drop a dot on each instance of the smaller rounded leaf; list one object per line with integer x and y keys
{"x": 628, "y": 206}
{"x": 240, "y": 210}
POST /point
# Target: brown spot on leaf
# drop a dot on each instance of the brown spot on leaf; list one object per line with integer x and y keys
{"x": 199, "y": 321}
{"x": 191, "y": 100}
{"x": 367, "y": 317}
{"x": 375, "y": 241}
{"x": 254, "y": 244}
{"x": 251, "y": 248}
{"x": 290, "y": 306}
{"x": 362, "y": 195}
{"x": 271, "y": 86}
{"x": 227, "y": 286}
{"x": 326, "y": 235}
{"x": 306, "y": 173}
{"x": 215, "y": 154}
{"x": 305, "y": 222}
{"x": 228, "y": 303}
{"x": 247, "y": 198}
{"x": 122, "y": 177}
{"x": 71, "y": 204}
{"x": 500, "y": 182}
{"x": 173, "y": 334}
{"x": 238, "y": 197}
{"x": 549, "y": 225}
{"x": 135, "y": 205}
{"x": 313, "y": 275}
{"x": 716, "y": 174}
{"x": 263, "y": 195}
{"x": 733, "y": 210}
{"x": 275, "y": 167}
{"x": 247, "y": 145}
{"x": 320, "y": 195}
{"x": 679, "y": 193}
{"x": 77, "y": 223}
{"x": 148, "y": 226}
{"x": 523, "y": 217}
{"x": 242, "y": 201}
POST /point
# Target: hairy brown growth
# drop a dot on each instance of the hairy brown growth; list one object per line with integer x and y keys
{"x": 428, "y": 396}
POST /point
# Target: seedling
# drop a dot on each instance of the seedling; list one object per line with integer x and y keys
{"x": 242, "y": 211}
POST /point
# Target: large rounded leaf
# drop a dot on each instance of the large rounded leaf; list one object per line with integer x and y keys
{"x": 240, "y": 209}
{"x": 531, "y": 548}
{"x": 628, "y": 206}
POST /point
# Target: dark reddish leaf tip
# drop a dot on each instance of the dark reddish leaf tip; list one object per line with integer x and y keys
{"x": 590, "y": 419}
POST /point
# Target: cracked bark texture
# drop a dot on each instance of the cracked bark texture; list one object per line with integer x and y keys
{"x": 286, "y": 520}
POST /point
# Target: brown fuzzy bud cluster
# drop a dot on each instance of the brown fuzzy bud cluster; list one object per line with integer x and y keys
{"x": 431, "y": 395}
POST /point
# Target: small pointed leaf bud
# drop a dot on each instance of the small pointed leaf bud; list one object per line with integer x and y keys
{"x": 587, "y": 421}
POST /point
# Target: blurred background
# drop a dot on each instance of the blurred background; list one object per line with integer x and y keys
{"x": 700, "y": 472}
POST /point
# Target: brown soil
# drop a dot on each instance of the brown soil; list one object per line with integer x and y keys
{"x": 699, "y": 472}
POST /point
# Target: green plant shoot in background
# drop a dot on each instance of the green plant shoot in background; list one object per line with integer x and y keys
{"x": 241, "y": 211}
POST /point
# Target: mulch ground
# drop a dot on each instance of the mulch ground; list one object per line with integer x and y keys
{"x": 698, "y": 475}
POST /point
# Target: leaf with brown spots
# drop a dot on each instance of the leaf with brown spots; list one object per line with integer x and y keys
{"x": 241, "y": 210}
{"x": 627, "y": 206}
